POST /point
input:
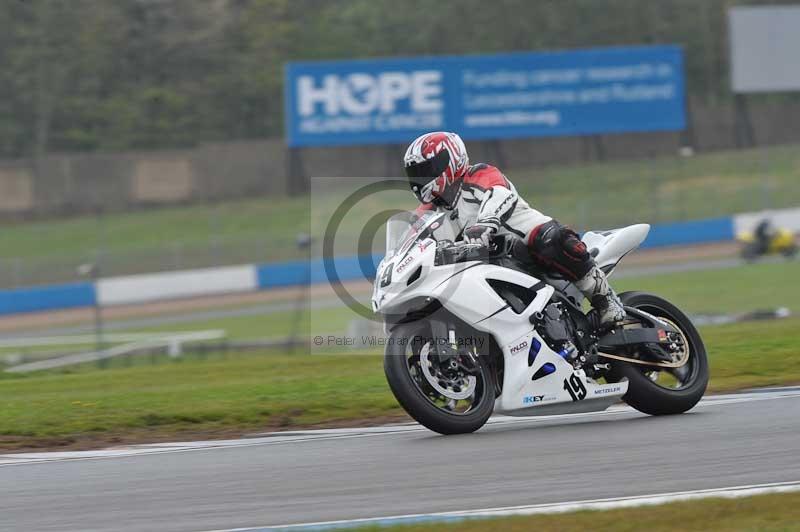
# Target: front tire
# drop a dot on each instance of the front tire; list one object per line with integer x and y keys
{"x": 418, "y": 396}
{"x": 645, "y": 394}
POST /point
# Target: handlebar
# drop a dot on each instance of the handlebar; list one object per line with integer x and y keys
{"x": 449, "y": 252}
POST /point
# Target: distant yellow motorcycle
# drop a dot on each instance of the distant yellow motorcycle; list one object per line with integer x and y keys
{"x": 780, "y": 241}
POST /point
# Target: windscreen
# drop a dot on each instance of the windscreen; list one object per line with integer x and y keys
{"x": 401, "y": 227}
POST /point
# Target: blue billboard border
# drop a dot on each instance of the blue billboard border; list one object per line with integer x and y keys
{"x": 289, "y": 69}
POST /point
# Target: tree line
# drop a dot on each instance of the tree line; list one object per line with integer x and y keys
{"x": 89, "y": 75}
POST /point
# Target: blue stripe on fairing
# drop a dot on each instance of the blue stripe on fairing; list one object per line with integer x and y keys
{"x": 546, "y": 369}
{"x": 536, "y": 345}
{"x": 50, "y": 297}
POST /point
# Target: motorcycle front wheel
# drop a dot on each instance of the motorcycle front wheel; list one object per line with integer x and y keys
{"x": 448, "y": 395}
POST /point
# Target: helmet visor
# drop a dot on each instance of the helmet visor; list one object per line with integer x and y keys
{"x": 420, "y": 174}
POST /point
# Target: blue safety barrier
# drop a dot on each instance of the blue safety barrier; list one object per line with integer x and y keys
{"x": 691, "y": 232}
{"x": 49, "y": 297}
{"x": 351, "y": 268}
{"x": 298, "y": 272}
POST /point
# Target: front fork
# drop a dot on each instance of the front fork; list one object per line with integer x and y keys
{"x": 454, "y": 356}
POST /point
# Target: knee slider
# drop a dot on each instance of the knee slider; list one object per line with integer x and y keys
{"x": 548, "y": 238}
{"x": 559, "y": 244}
{"x": 574, "y": 248}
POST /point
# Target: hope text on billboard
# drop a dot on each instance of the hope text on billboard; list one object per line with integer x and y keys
{"x": 602, "y": 90}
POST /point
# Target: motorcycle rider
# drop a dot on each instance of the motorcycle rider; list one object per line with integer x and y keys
{"x": 484, "y": 203}
{"x": 764, "y": 234}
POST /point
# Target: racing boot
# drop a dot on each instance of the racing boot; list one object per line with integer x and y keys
{"x": 606, "y": 303}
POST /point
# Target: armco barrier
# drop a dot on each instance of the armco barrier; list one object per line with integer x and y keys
{"x": 159, "y": 286}
{"x": 173, "y": 285}
{"x": 784, "y": 218}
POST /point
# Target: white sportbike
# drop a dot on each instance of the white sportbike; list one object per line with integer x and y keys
{"x": 474, "y": 331}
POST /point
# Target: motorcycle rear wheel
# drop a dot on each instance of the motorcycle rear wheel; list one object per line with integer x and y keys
{"x": 437, "y": 397}
{"x": 750, "y": 251}
{"x": 688, "y": 383}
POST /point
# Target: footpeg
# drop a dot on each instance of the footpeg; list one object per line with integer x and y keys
{"x": 598, "y": 326}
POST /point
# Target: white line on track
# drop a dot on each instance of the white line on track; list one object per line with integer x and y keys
{"x": 280, "y": 438}
{"x": 733, "y": 492}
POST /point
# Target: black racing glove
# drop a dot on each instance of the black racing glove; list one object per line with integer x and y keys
{"x": 479, "y": 234}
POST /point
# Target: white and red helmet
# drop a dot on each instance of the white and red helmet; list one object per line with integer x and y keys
{"x": 435, "y": 163}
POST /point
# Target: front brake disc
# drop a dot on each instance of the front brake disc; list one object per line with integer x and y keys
{"x": 466, "y": 384}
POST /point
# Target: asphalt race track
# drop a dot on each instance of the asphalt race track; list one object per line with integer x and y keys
{"x": 302, "y": 477}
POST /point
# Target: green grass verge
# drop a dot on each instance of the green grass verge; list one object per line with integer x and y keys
{"x": 727, "y": 290}
{"x": 775, "y": 512}
{"x": 260, "y": 391}
{"x": 666, "y": 189}
{"x": 273, "y": 325}
{"x": 221, "y": 393}
{"x": 245, "y": 392}
{"x": 589, "y": 195}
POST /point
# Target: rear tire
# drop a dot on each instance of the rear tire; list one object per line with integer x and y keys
{"x": 643, "y": 393}
{"x": 419, "y": 406}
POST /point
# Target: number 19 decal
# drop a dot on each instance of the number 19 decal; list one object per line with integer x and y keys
{"x": 575, "y": 387}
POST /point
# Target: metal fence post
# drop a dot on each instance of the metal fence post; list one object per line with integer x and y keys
{"x": 303, "y": 243}
{"x": 92, "y": 271}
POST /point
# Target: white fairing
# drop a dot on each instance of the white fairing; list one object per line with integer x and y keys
{"x": 463, "y": 289}
{"x": 614, "y": 244}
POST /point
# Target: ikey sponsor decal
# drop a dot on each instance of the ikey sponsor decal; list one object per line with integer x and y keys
{"x": 536, "y": 399}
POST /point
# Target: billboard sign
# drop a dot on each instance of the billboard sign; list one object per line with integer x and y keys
{"x": 583, "y": 92}
{"x": 764, "y": 45}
